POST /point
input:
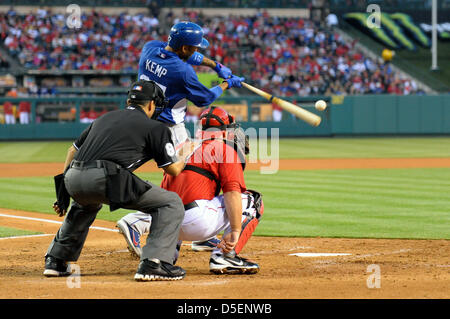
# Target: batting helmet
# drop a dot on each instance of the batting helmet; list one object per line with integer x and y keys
{"x": 187, "y": 33}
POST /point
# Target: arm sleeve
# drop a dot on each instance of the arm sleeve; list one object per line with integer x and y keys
{"x": 163, "y": 148}
{"x": 197, "y": 93}
{"x": 77, "y": 144}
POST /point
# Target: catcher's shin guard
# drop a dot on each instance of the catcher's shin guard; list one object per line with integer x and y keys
{"x": 250, "y": 222}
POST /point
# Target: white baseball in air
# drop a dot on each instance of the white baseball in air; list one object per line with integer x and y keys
{"x": 320, "y": 105}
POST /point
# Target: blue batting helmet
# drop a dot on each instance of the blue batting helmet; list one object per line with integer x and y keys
{"x": 187, "y": 33}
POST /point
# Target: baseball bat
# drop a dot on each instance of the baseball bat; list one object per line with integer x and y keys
{"x": 310, "y": 118}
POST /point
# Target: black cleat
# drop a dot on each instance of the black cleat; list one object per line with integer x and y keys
{"x": 149, "y": 270}
{"x": 55, "y": 267}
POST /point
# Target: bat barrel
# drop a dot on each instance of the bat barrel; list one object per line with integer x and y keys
{"x": 310, "y": 118}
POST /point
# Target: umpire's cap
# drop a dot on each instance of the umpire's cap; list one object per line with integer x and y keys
{"x": 187, "y": 33}
{"x": 147, "y": 91}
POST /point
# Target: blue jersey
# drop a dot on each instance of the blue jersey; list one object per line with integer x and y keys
{"x": 176, "y": 78}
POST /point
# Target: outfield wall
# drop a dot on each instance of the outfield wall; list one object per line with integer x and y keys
{"x": 350, "y": 115}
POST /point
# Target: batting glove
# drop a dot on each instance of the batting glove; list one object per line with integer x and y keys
{"x": 235, "y": 81}
{"x": 222, "y": 71}
{"x": 195, "y": 59}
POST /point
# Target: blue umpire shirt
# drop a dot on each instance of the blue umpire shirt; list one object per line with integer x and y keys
{"x": 176, "y": 78}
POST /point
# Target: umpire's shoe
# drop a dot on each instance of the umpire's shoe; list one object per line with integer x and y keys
{"x": 55, "y": 267}
{"x": 150, "y": 270}
{"x": 231, "y": 264}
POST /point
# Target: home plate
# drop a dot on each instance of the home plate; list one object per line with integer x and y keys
{"x": 319, "y": 254}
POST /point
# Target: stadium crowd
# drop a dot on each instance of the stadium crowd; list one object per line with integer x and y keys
{"x": 294, "y": 56}
{"x": 286, "y": 56}
{"x": 104, "y": 42}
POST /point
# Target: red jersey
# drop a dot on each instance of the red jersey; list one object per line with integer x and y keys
{"x": 217, "y": 158}
{"x": 83, "y": 115}
{"x": 8, "y": 108}
{"x": 24, "y": 106}
{"x": 275, "y": 106}
{"x": 92, "y": 115}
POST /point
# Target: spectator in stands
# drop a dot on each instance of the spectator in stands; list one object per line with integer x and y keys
{"x": 277, "y": 112}
{"x": 84, "y": 117}
{"x": 24, "y": 112}
{"x": 332, "y": 20}
{"x": 12, "y": 93}
{"x": 8, "y": 109}
{"x": 4, "y": 64}
{"x": 92, "y": 115}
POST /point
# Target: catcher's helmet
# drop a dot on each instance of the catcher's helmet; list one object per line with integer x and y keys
{"x": 216, "y": 117}
{"x": 215, "y": 121}
{"x": 187, "y": 33}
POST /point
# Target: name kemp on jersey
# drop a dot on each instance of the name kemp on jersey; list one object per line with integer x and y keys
{"x": 155, "y": 68}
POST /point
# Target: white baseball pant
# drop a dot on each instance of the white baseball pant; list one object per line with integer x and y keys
{"x": 200, "y": 223}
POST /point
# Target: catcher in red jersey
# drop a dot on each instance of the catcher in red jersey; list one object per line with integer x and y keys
{"x": 216, "y": 165}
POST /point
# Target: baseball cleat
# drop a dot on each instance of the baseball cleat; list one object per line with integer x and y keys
{"x": 207, "y": 245}
{"x": 132, "y": 237}
{"x": 221, "y": 264}
{"x": 149, "y": 270}
{"x": 55, "y": 267}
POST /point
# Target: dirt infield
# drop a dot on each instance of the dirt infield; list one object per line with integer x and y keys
{"x": 405, "y": 268}
{"x": 408, "y": 268}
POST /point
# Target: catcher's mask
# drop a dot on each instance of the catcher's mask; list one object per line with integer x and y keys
{"x": 214, "y": 121}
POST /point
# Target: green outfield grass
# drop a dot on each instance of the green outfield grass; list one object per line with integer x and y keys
{"x": 364, "y": 203}
{"x": 376, "y": 147}
{"x": 381, "y": 203}
{"x": 378, "y": 203}
{"x": 35, "y": 152}
{"x": 9, "y": 232}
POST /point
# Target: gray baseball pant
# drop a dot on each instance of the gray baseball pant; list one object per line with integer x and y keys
{"x": 88, "y": 188}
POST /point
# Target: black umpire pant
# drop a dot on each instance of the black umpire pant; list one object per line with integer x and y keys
{"x": 87, "y": 186}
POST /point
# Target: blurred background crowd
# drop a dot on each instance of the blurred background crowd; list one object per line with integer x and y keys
{"x": 286, "y": 56}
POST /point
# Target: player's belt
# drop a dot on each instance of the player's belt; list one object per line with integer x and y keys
{"x": 89, "y": 164}
{"x": 190, "y": 205}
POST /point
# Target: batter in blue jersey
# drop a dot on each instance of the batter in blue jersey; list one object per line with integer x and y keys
{"x": 170, "y": 66}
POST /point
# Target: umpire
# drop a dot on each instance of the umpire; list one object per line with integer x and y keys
{"x": 98, "y": 170}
